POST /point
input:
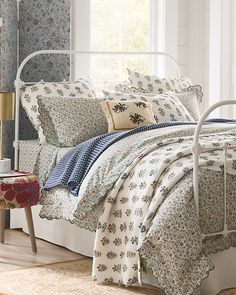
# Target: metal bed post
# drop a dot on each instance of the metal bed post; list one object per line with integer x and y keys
{"x": 198, "y": 149}
{"x": 19, "y": 83}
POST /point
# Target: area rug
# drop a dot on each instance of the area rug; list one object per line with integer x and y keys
{"x": 65, "y": 278}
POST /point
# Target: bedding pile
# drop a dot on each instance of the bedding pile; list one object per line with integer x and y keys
{"x": 134, "y": 187}
{"x": 138, "y": 195}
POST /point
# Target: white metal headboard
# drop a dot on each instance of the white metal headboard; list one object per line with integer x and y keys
{"x": 19, "y": 83}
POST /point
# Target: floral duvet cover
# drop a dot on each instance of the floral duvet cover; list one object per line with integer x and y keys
{"x": 138, "y": 196}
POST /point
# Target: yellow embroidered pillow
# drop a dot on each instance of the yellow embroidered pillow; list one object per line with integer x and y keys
{"x": 125, "y": 115}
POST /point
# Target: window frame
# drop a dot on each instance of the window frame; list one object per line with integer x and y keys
{"x": 162, "y": 35}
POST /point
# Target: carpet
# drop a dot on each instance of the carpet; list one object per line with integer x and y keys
{"x": 65, "y": 278}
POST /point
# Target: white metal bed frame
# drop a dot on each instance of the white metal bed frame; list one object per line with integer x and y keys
{"x": 19, "y": 83}
{"x": 197, "y": 148}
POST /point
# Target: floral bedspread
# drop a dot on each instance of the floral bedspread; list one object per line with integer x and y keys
{"x": 139, "y": 195}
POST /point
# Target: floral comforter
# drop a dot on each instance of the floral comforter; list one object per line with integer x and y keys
{"x": 138, "y": 196}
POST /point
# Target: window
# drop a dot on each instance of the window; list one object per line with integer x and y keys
{"x": 117, "y": 25}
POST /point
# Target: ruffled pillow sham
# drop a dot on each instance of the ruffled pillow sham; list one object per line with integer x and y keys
{"x": 68, "y": 121}
{"x": 154, "y": 84}
{"x": 126, "y": 115}
{"x": 190, "y": 97}
{"x": 166, "y": 107}
{"x": 30, "y": 94}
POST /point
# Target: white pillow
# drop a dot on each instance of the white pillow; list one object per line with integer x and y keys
{"x": 190, "y": 97}
{"x": 166, "y": 107}
{"x": 154, "y": 84}
{"x": 30, "y": 94}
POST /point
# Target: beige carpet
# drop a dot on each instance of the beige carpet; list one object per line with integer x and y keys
{"x": 65, "y": 278}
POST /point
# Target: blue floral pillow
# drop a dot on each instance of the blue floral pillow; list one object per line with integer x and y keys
{"x": 68, "y": 121}
{"x": 166, "y": 107}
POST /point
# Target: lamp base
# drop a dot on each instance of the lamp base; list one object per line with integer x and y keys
{"x": 5, "y": 165}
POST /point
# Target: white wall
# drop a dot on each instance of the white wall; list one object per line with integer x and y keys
{"x": 206, "y": 48}
{"x": 193, "y": 42}
{"x": 183, "y": 36}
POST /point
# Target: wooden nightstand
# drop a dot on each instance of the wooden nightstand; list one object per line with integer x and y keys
{"x": 20, "y": 191}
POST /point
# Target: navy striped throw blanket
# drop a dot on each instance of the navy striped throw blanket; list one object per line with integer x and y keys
{"x": 75, "y": 165}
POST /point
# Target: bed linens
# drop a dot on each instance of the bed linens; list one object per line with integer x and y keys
{"x": 75, "y": 165}
{"x": 67, "y": 121}
{"x": 166, "y": 107}
{"x": 126, "y": 115}
{"x": 190, "y": 97}
{"x": 29, "y": 95}
{"x": 147, "y": 185}
{"x": 155, "y": 84}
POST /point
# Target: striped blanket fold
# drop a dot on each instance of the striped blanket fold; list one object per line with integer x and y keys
{"x": 75, "y": 165}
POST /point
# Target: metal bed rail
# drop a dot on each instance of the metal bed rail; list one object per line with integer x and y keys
{"x": 197, "y": 149}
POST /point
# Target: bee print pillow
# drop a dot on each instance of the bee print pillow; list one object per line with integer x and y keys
{"x": 126, "y": 115}
{"x": 166, "y": 107}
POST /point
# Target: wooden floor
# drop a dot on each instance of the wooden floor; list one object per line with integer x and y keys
{"x": 16, "y": 252}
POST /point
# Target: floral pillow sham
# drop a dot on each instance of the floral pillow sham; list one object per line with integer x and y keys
{"x": 190, "y": 97}
{"x": 126, "y": 115}
{"x": 166, "y": 107}
{"x": 68, "y": 121}
{"x": 153, "y": 84}
{"x": 30, "y": 94}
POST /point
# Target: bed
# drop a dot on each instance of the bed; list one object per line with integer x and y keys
{"x": 155, "y": 162}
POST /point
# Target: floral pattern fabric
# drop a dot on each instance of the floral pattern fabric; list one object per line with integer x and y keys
{"x": 141, "y": 192}
{"x": 85, "y": 120}
{"x": 190, "y": 97}
{"x": 82, "y": 88}
{"x": 19, "y": 192}
{"x": 153, "y": 84}
{"x": 127, "y": 115}
{"x": 166, "y": 107}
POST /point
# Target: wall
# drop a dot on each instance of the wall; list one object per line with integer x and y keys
{"x": 193, "y": 42}
{"x": 183, "y": 38}
{"x": 8, "y": 63}
{"x": 44, "y": 24}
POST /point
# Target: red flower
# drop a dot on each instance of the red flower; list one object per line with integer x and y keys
{"x": 22, "y": 197}
{"x": 10, "y": 195}
{"x": 5, "y": 186}
{"x": 20, "y": 185}
{"x": 25, "y": 193}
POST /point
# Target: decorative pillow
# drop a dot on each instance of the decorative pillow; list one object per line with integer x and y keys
{"x": 30, "y": 95}
{"x": 123, "y": 88}
{"x": 156, "y": 85}
{"x": 68, "y": 121}
{"x": 127, "y": 115}
{"x": 166, "y": 107}
{"x": 190, "y": 97}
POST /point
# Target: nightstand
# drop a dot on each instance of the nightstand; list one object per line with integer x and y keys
{"x": 16, "y": 192}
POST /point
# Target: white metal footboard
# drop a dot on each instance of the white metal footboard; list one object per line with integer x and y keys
{"x": 197, "y": 150}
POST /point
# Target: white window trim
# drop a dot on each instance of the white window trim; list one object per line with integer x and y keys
{"x": 80, "y": 37}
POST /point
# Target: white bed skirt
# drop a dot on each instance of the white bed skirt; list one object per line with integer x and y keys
{"x": 59, "y": 232}
{"x": 81, "y": 241}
